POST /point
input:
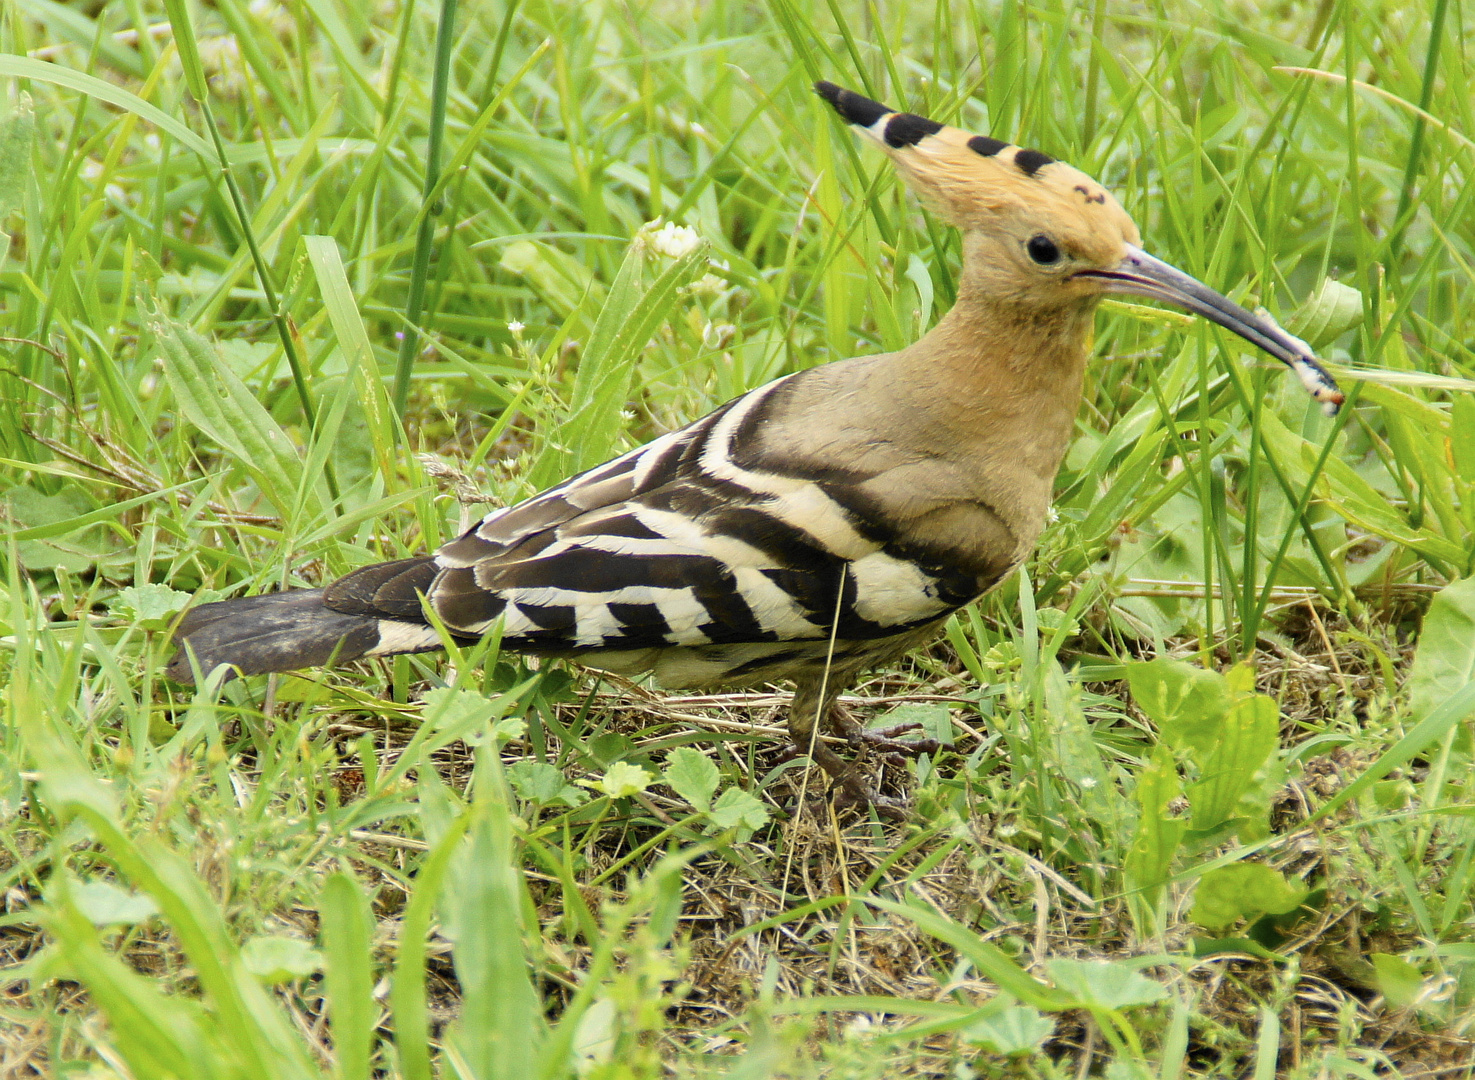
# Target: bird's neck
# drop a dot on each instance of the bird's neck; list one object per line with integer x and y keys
{"x": 995, "y": 358}
{"x": 1003, "y": 381}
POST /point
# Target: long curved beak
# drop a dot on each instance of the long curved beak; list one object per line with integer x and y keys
{"x": 1139, "y": 274}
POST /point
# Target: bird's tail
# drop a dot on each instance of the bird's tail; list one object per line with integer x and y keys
{"x": 286, "y": 630}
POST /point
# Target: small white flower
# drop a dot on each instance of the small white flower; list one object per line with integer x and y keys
{"x": 1087, "y": 782}
{"x": 515, "y": 327}
{"x": 674, "y": 241}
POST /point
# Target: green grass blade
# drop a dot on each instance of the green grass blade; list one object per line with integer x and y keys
{"x": 420, "y": 268}
{"x": 500, "y": 1030}
{"x": 629, "y": 317}
{"x": 347, "y": 933}
{"x": 23, "y": 67}
{"x": 407, "y": 994}
{"x": 217, "y": 402}
{"x": 353, "y": 340}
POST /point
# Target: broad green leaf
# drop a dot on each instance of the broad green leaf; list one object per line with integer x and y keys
{"x": 543, "y": 783}
{"x": 60, "y": 531}
{"x": 595, "y": 1036}
{"x": 1187, "y": 702}
{"x": 1272, "y": 930}
{"x": 452, "y": 713}
{"x": 275, "y": 959}
{"x": 1445, "y": 659}
{"x": 152, "y": 607}
{"x": 1104, "y": 984}
{"x": 933, "y": 717}
{"x": 736, "y": 807}
{"x": 692, "y": 775}
{"x": 1400, "y": 982}
{"x": 622, "y": 780}
{"x": 1108, "y": 509}
{"x": 1011, "y": 1031}
{"x": 1328, "y": 314}
{"x": 450, "y": 708}
{"x": 1245, "y": 739}
{"x": 1241, "y": 679}
{"x": 105, "y": 904}
{"x": 1352, "y": 496}
{"x": 921, "y": 279}
{"x": 1243, "y": 891}
{"x": 1148, "y": 860}
{"x": 31, "y": 509}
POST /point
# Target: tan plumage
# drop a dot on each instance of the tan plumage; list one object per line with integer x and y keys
{"x": 815, "y": 526}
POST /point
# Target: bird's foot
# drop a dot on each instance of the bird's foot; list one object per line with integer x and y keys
{"x": 883, "y": 740}
{"x": 849, "y": 787}
{"x": 852, "y": 792}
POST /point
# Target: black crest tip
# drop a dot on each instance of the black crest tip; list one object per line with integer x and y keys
{"x": 853, "y": 108}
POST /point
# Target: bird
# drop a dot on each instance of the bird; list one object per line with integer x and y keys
{"x": 812, "y": 528}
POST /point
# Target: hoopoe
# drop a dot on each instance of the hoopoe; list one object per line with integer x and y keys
{"x": 816, "y": 526}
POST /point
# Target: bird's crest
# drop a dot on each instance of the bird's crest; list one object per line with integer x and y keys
{"x": 967, "y": 177}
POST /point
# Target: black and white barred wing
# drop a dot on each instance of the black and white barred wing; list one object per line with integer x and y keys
{"x": 683, "y": 542}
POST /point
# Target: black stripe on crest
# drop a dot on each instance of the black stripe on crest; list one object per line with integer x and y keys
{"x": 1032, "y": 161}
{"x": 908, "y": 129}
{"x": 985, "y": 146}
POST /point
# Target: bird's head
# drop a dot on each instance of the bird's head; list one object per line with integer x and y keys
{"x": 1042, "y": 234}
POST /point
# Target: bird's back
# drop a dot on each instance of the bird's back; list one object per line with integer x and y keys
{"x": 722, "y": 537}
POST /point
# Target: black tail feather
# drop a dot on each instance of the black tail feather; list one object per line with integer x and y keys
{"x": 274, "y": 632}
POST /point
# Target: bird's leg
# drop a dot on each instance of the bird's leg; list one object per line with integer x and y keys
{"x": 854, "y": 791}
{"x": 842, "y": 723}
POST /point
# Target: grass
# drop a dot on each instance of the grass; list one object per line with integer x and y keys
{"x": 1204, "y": 808}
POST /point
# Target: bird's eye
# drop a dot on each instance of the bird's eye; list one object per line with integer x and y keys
{"x": 1042, "y": 250}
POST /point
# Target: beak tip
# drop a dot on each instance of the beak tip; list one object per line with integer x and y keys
{"x": 1318, "y": 383}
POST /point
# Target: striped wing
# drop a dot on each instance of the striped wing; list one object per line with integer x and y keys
{"x": 682, "y": 542}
